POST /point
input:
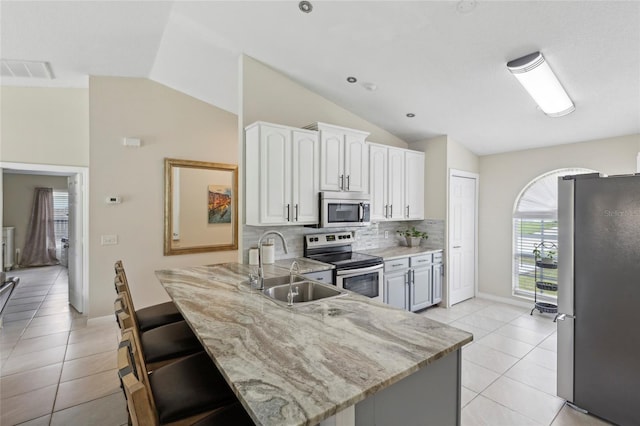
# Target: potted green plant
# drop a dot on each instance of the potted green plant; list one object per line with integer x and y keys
{"x": 413, "y": 236}
{"x": 548, "y": 257}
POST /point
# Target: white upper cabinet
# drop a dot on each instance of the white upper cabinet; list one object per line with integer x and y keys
{"x": 281, "y": 175}
{"x": 344, "y": 156}
{"x": 356, "y": 164}
{"x": 414, "y": 185}
{"x": 332, "y": 161}
{"x": 396, "y": 183}
{"x": 378, "y": 182}
{"x": 305, "y": 178}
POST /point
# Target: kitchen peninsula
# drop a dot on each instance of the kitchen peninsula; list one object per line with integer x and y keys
{"x": 345, "y": 360}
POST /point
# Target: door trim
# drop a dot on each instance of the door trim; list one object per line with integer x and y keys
{"x": 476, "y": 177}
{"x": 51, "y": 169}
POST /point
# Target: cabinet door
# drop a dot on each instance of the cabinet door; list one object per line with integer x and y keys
{"x": 378, "y": 181}
{"x": 421, "y": 285}
{"x": 275, "y": 175}
{"x": 305, "y": 182}
{"x": 356, "y": 163}
{"x": 395, "y": 289}
{"x": 414, "y": 185}
{"x": 396, "y": 184}
{"x": 331, "y": 161}
{"x": 437, "y": 283}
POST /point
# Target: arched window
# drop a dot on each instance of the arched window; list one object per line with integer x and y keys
{"x": 535, "y": 219}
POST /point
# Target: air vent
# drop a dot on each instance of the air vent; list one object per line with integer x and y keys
{"x": 26, "y": 69}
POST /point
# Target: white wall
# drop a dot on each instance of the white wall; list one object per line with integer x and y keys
{"x": 503, "y": 176}
{"x": 45, "y": 126}
{"x": 269, "y": 95}
{"x": 171, "y": 125}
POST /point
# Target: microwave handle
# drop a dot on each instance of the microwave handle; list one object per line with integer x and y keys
{"x": 361, "y": 212}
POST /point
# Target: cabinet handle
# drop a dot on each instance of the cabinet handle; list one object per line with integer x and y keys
{"x": 348, "y": 182}
{"x": 342, "y": 182}
{"x": 288, "y": 208}
{"x": 397, "y": 264}
{"x": 457, "y": 246}
{"x": 391, "y": 215}
{"x": 407, "y": 211}
{"x": 296, "y": 207}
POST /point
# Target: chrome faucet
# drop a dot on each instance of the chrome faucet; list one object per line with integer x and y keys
{"x": 291, "y": 294}
{"x": 260, "y": 267}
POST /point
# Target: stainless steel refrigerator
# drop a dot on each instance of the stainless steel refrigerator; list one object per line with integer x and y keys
{"x": 599, "y": 295}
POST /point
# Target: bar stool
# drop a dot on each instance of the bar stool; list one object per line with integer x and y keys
{"x": 151, "y": 316}
{"x": 181, "y": 393}
{"x": 161, "y": 345}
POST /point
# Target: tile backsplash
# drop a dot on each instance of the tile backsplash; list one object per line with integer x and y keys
{"x": 365, "y": 238}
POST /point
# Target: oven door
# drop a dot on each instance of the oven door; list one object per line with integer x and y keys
{"x": 365, "y": 281}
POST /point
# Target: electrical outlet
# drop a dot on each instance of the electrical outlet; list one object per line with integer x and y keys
{"x": 109, "y": 240}
{"x": 386, "y": 234}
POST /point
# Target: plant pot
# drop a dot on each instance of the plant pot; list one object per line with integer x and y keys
{"x": 413, "y": 241}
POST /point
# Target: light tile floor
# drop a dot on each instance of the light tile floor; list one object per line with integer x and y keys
{"x": 509, "y": 370}
{"x": 58, "y": 368}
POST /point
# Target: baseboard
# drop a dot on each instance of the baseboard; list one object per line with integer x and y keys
{"x": 508, "y": 301}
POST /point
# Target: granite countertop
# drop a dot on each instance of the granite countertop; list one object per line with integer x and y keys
{"x": 301, "y": 365}
{"x": 389, "y": 253}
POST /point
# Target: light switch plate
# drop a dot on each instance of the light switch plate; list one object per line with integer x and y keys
{"x": 108, "y": 240}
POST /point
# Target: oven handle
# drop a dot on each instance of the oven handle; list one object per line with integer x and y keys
{"x": 359, "y": 271}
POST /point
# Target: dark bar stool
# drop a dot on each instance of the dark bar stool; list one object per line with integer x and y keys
{"x": 151, "y": 316}
{"x": 181, "y": 393}
{"x": 161, "y": 345}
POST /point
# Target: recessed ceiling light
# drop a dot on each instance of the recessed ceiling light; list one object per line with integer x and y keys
{"x": 305, "y": 6}
{"x": 410, "y": 115}
{"x": 352, "y": 79}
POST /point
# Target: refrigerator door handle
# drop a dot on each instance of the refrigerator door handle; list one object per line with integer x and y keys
{"x": 562, "y": 317}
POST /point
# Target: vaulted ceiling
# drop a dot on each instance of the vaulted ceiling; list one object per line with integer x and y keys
{"x": 443, "y": 61}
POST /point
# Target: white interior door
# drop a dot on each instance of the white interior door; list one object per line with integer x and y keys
{"x": 462, "y": 236}
{"x": 75, "y": 242}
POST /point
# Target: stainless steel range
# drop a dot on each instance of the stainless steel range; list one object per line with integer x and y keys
{"x": 358, "y": 272}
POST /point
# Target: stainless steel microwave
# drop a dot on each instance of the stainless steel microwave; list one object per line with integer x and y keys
{"x": 342, "y": 209}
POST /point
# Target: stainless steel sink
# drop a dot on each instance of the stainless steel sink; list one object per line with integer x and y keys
{"x": 307, "y": 291}
{"x": 276, "y": 281}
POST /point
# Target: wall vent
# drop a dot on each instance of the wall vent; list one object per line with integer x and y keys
{"x": 26, "y": 69}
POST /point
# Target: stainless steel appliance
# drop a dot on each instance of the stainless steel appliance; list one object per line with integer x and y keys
{"x": 598, "y": 295}
{"x": 358, "y": 272}
{"x": 340, "y": 209}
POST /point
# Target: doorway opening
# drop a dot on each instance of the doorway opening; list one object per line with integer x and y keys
{"x": 70, "y": 188}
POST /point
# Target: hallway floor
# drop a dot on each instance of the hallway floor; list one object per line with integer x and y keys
{"x": 58, "y": 368}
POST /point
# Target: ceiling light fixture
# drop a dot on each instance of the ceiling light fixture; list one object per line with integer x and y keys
{"x": 410, "y": 115}
{"x": 352, "y": 79}
{"x": 535, "y": 75}
{"x": 305, "y": 6}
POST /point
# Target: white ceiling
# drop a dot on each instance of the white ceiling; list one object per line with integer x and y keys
{"x": 425, "y": 57}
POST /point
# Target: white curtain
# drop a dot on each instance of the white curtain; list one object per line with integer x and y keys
{"x": 40, "y": 245}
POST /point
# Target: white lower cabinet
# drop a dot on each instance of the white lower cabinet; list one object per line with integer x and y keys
{"x": 396, "y": 283}
{"x": 413, "y": 282}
